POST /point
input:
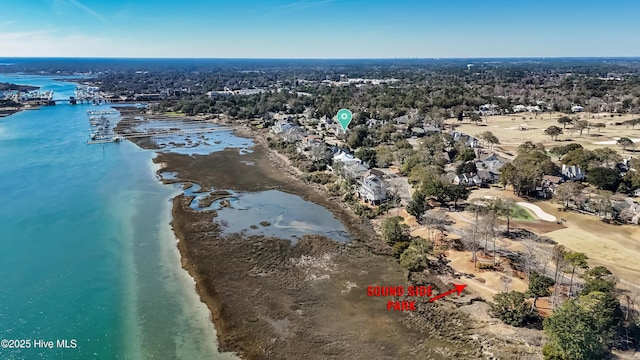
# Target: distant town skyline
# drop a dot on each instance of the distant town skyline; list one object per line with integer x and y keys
{"x": 320, "y": 29}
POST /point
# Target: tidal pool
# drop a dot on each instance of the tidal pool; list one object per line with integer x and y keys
{"x": 271, "y": 213}
{"x": 288, "y": 216}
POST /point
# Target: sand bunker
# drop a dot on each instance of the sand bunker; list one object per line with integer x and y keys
{"x": 613, "y": 142}
{"x": 538, "y": 212}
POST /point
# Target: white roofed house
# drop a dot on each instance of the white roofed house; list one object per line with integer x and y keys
{"x": 464, "y": 138}
{"x": 519, "y": 108}
{"x": 372, "y": 189}
{"x": 488, "y": 109}
{"x": 348, "y": 165}
{"x": 467, "y": 180}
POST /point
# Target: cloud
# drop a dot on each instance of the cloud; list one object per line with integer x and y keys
{"x": 88, "y": 10}
{"x": 48, "y": 43}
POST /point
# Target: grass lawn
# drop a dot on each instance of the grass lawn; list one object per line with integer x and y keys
{"x": 173, "y": 113}
{"x": 520, "y": 213}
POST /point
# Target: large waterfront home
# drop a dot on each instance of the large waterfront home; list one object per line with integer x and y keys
{"x": 349, "y": 165}
{"x": 372, "y": 188}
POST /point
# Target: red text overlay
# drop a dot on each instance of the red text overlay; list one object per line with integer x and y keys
{"x": 411, "y": 291}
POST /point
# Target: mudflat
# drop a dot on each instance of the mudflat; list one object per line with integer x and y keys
{"x": 270, "y": 299}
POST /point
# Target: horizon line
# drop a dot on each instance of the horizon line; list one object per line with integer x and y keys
{"x": 319, "y": 58}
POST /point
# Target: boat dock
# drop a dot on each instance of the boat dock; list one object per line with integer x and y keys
{"x": 102, "y": 123}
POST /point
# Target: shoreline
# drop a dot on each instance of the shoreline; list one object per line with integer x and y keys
{"x": 8, "y": 111}
{"x": 267, "y": 298}
{"x": 270, "y": 299}
{"x": 260, "y": 331}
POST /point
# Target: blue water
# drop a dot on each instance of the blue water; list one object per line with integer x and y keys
{"x": 86, "y": 251}
{"x": 87, "y": 254}
{"x": 61, "y": 90}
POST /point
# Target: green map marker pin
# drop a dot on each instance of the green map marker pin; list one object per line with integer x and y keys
{"x": 344, "y": 118}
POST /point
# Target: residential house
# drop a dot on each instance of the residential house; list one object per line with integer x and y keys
{"x": 375, "y": 122}
{"x": 351, "y": 166}
{"x": 372, "y": 189}
{"x": 467, "y": 180}
{"x": 281, "y": 126}
{"x": 488, "y": 109}
{"x": 293, "y": 135}
{"x": 573, "y": 172}
{"x": 314, "y": 148}
{"x": 627, "y": 210}
{"x": 491, "y": 160}
{"x": 489, "y": 166}
{"x": 623, "y": 167}
{"x": 431, "y": 130}
{"x": 402, "y": 120}
{"x": 519, "y": 108}
{"x": 466, "y": 139}
{"x": 548, "y": 186}
{"x": 488, "y": 177}
{"x": 307, "y": 142}
{"x": 417, "y": 132}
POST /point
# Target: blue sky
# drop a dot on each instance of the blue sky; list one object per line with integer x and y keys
{"x": 320, "y": 28}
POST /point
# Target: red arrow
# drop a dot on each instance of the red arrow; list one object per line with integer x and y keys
{"x": 458, "y": 289}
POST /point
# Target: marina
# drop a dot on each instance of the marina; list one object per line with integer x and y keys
{"x": 101, "y": 130}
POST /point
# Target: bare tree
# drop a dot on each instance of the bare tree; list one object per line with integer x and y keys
{"x": 470, "y": 239}
{"x": 529, "y": 256}
{"x": 394, "y": 190}
{"x": 544, "y": 257}
{"x": 472, "y": 235}
{"x": 487, "y": 231}
{"x": 556, "y": 298}
{"x": 435, "y": 222}
{"x": 558, "y": 257}
{"x": 507, "y": 278}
